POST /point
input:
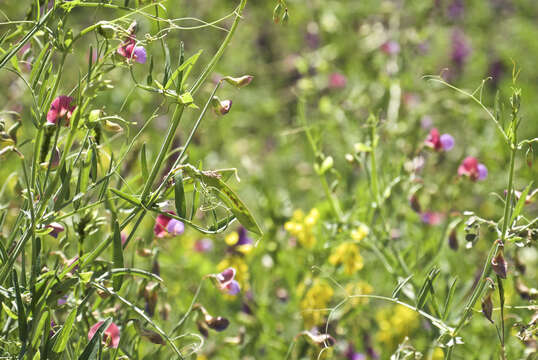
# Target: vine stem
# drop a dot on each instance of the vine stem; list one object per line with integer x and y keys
{"x": 497, "y": 244}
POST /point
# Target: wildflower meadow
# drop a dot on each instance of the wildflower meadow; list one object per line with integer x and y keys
{"x": 278, "y": 179}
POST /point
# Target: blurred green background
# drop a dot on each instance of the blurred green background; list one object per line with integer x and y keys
{"x": 347, "y": 60}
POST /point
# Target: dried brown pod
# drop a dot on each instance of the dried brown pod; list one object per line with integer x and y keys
{"x": 322, "y": 340}
{"x": 499, "y": 265}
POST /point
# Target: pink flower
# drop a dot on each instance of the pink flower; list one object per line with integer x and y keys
{"x": 337, "y": 81}
{"x": 431, "y": 218}
{"x": 61, "y": 108}
{"x": 439, "y": 142}
{"x": 111, "y": 335}
{"x": 167, "y": 226}
{"x": 390, "y": 47}
{"x": 226, "y": 281}
{"x": 473, "y": 169}
{"x": 203, "y": 245}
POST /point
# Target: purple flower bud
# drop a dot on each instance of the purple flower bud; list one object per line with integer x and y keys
{"x": 447, "y": 141}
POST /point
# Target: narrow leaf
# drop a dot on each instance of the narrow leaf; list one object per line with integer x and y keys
{"x": 65, "y": 332}
{"x": 117, "y": 255}
{"x": 179, "y": 191}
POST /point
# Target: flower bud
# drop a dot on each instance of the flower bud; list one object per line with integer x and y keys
{"x": 106, "y": 30}
{"x": 239, "y": 81}
{"x": 112, "y": 127}
{"x": 453, "y": 240}
{"x": 221, "y": 107}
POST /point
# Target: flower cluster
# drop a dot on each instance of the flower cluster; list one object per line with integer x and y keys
{"x": 347, "y": 254}
{"x": 316, "y": 298}
{"x": 301, "y": 226}
{"x": 395, "y": 323}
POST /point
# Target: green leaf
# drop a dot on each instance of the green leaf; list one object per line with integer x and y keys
{"x": 23, "y": 326}
{"x": 427, "y": 287}
{"x": 65, "y": 332}
{"x": 189, "y": 62}
{"x": 236, "y": 205}
{"x": 401, "y": 284}
{"x": 91, "y": 350}
{"x": 186, "y": 98}
{"x": 449, "y": 297}
{"x": 8, "y": 311}
{"x": 520, "y": 203}
{"x": 117, "y": 255}
{"x": 126, "y": 197}
{"x": 143, "y": 161}
{"x": 179, "y": 192}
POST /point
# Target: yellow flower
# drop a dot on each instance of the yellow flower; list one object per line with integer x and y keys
{"x": 395, "y": 323}
{"x": 359, "y": 288}
{"x": 347, "y": 254}
{"x": 232, "y": 238}
{"x": 360, "y": 233}
{"x": 315, "y": 299}
{"x": 301, "y": 226}
{"x": 438, "y": 354}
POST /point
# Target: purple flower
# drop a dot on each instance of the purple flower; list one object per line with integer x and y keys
{"x": 62, "y": 301}
{"x": 226, "y": 282}
{"x": 482, "y": 172}
{"x": 460, "y": 48}
{"x": 352, "y": 355}
{"x": 139, "y": 54}
{"x": 456, "y": 9}
{"x": 57, "y": 228}
{"x": 447, "y": 141}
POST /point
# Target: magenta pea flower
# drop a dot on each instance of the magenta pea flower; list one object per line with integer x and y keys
{"x": 439, "y": 142}
{"x": 131, "y": 51}
{"x": 390, "y": 47}
{"x": 337, "y": 81}
{"x": 61, "y": 108}
{"x": 57, "y": 228}
{"x": 226, "y": 282}
{"x": 203, "y": 245}
{"x": 473, "y": 169}
{"x": 431, "y": 217}
{"x": 167, "y": 226}
{"x": 111, "y": 336}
